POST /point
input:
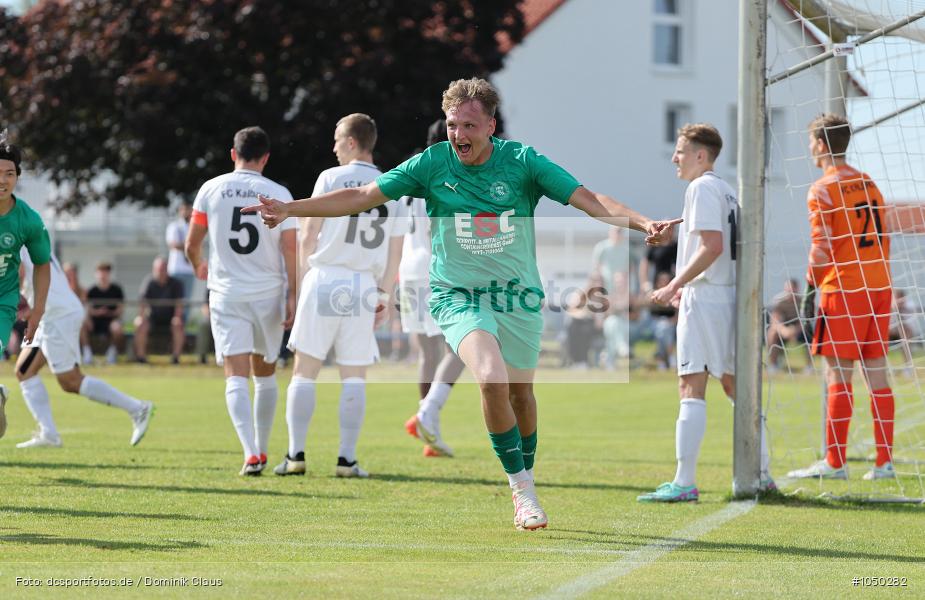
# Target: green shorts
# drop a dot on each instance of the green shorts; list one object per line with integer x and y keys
{"x": 517, "y": 330}
{"x": 7, "y": 319}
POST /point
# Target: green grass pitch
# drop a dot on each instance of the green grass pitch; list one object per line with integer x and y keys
{"x": 174, "y": 507}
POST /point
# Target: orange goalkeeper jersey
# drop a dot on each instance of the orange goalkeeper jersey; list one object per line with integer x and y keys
{"x": 850, "y": 243}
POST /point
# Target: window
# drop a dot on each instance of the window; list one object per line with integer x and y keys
{"x": 676, "y": 115}
{"x": 668, "y": 33}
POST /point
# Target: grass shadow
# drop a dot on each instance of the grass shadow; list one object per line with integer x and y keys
{"x": 42, "y": 539}
{"x": 60, "y": 465}
{"x": 403, "y": 477}
{"x": 73, "y": 512}
{"x": 800, "y": 500}
{"x": 68, "y": 481}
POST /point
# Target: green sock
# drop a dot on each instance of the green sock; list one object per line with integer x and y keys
{"x": 528, "y": 446}
{"x": 507, "y": 447}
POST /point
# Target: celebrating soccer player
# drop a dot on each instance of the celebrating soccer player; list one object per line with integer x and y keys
{"x": 250, "y": 271}
{"x": 481, "y": 193}
{"x": 704, "y": 292}
{"x": 19, "y": 226}
{"x": 849, "y": 265}
{"x": 348, "y": 266}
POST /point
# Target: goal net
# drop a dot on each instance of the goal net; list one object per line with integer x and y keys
{"x": 875, "y": 76}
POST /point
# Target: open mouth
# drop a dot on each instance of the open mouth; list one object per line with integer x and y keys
{"x": 464, "y": 149}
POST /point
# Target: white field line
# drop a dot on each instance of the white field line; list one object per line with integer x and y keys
{"x": 650, "y": 553}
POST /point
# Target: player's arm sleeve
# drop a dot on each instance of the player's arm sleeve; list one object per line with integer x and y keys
{"x": 706, "y": 210}
{"x": 38, "y": 244}
{"x": 200, "y": 210}
{"x": 407, "y": 179}
{"x": 819, "y": 207}
{"x": 550, "y": 179}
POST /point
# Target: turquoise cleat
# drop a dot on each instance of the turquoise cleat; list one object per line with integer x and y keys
{"x": 669, "y": 492}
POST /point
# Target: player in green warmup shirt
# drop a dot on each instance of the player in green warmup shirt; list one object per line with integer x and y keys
{"x": 481, "y": 193}
{"x": 19, "y": 226}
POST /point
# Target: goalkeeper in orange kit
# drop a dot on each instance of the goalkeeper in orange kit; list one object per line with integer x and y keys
{"x": 849, "y": 266}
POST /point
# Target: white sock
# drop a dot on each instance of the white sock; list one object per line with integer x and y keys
{"x": 435, "y": 398}
{"x": 765, "y": 451}
{"x": 515, "y": 478}
{"x": 530, "y": 474}
{"x": 691, "y": 426}
{"x": 352, "y": 409}
{"x": 237, "y": 398}
{"x": 265, "y": 394}
{"x": 36, "y": 397}
{"x": 100, "y": 391}
{"x": 300, "y": 406}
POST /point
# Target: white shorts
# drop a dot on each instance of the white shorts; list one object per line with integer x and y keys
{"x": 337, "y": 308}
{"x": 59, "y": 341}
{"x": 254, "y": 327}
{"x": 706, "y": 330}
{"x": 415, "y": 314}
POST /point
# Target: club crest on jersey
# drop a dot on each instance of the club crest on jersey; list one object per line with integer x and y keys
{"x": 499, "y": 191}
{"x": 7, "y": 240}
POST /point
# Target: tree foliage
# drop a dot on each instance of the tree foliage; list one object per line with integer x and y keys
{"x": 138, "y": 100}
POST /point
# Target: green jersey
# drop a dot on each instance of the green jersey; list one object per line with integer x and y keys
{"x": 482, "y": 231}
{"x": 20, "y": 227}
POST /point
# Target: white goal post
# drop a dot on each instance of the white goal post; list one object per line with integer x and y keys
{"x": 832, "y": 30}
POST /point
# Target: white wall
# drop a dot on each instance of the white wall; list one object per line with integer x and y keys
{"x": 583, "y": 89}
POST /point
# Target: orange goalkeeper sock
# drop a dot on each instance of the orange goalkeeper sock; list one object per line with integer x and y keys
{"x": 883, "y": 409}
{"x": 838, "y": 418}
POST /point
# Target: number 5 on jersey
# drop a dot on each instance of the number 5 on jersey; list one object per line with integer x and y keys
{"x": 249, "y": 231}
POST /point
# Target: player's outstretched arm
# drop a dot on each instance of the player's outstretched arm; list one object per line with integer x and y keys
{"x": 339, "y": 203}
{"x": 606, "y": 209}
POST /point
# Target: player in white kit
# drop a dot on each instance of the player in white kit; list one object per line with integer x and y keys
{"x": 57, "y": 343}
{"x": 251, "y": 279}
{"x": 438, "y": 365}
{"x": 348, "y": 267}
{"x": 704, "y": 292}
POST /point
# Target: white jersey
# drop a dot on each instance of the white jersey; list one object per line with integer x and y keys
{"x": 416, "y": 250}
{"x": 61, "y": 298}
{"x": 709, "y": 205}
{"x": 245, "y": 260}
{"x": 358, "y": 242}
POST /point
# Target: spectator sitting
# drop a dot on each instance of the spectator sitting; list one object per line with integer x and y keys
{"x": 657, "y": 260}
{"x": 665, "y": 324}
{"x": 784, "y": 324}
{"x": 584, "y": 314}
{"x": 160, "y": 309}
{"x": 105, "y": 305}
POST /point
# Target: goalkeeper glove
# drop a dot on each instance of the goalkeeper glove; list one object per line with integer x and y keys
{"x": 808, "y": 310}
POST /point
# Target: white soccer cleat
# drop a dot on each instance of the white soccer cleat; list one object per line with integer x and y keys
{"x": 140, "y": 422}
{"x": 349, "y": 469}
{"x": 291, "y": 466}
{"x": 40, "y": 439}
{"x": 884, "y": 471}
{"x": 819, "y": 470}
{"x": 528, "y": 514}
{"x": 3, "y": 397}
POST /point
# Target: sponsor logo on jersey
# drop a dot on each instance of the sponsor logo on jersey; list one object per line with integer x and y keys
{"x": 483, "y": 224}
{"x": 7, "y": 240}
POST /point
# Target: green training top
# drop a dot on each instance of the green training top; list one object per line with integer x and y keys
{"x": 22, "y": 226}
{"x": 481, "y": 216}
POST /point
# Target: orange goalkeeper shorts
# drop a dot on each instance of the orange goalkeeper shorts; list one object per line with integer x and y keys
{"x": 853, "y": 325}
